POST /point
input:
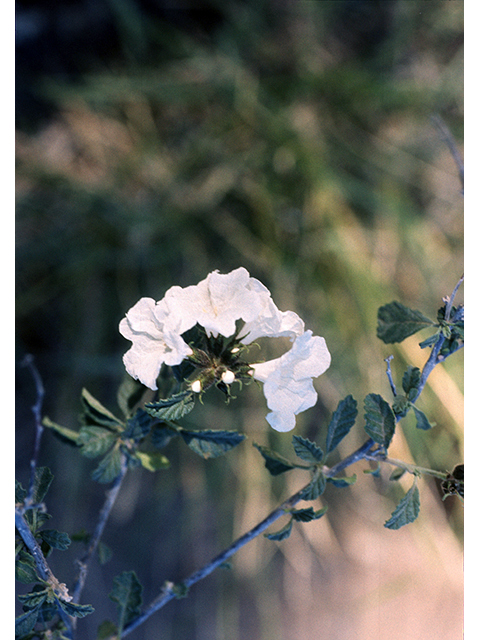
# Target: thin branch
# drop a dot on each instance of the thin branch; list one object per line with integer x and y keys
{"x": 168, "y": 592}
{"x": 365, "y": 452}
{"x": 44, "y": 572}
{"x": 450, "y": 142}
{"x": 102, "y": 521}
{"x": 37, "y": 412}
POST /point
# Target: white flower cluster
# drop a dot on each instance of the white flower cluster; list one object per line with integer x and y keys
{"x": 217, "y": 304}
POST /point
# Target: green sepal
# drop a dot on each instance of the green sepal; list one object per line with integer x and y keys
{"x": 274, "y": 462}
{"x": 66, "y": 435}
{"x": 127, "y": 594}
{"x": 109, "y": 467}
{"x": 397, "y": 322}
{"x": 172, "y": 408}
{"x": 341, "y": 422}
{"x": 422, "y": 420}
{"x": 341, "y": 483}
{"x": 379, "y": 419}
{"x": 152, "y": 460}
{"x": 76, "y": 610}
{"x": 315, "y": 488}
{"x": 94, "y": 413}
{"x": 306, "y": 450}
{"x": 95, "y": 441}
{"x": 211, "y": 443}
{"x": 407, "y": 509}
{"x": 411, "y": 382}
{"x": 308, "y": 514}
{"x": 281, "y": 534}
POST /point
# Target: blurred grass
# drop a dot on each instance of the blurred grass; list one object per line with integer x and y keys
{"x": 293, "y": 140}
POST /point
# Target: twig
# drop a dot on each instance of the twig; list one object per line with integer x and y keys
{"x": 389, "y": 375}
{"x": 44, "y": 572}
{"x": 168, "y": 593}
{"x": 102, "y": 521}
{"x": 37, "y": 412}
{"x": 365, "y": 452}
{"x": 450, "y": 142}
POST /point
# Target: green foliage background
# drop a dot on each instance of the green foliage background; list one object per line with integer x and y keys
{"x": 296, "y": 140}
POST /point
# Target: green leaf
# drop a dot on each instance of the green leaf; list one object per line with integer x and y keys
{"x": 379, "y": 419}
{"x": 308, "y": 514}
{"x": 95, "y": 441}
{"x": 109, "y": 467}
{"x": 127, "y": 594}
{"x": 94, "y": 413}
{"x": 307, "y": 450}
{"x": 161, "y": 434}
{"x": 76, "y": 610}
{"x": 407, "y": 509}
{"x": 422, "y": 420}
{"x": 33, "y": 600}
{"x": 130, "y": 393}
{"x": 25, "y": 568}
{"x": 282, "y": 534}
{"x": 104, "y": 553}
{"x": 343, "y": 482}
{"x": 396, "y": 322}
{"x": 211, "y": 443}
{"x": 315, "y": 488}
{"x": 152, "y": 461}
{"x": 342, "y": 421}
{"x": 397, "y": 474}
{"x": 172, "y": 408}
{"x": 138, "y": 426}
{"x": 68, "y": 436}
{"x": 274, "y": 462}
{"x": 41, "y": 484}
{"x": 24, "y": 624}
{"x": 56, "y": 539}
{"x": 107, "y": 631}
{"x": 411, "y": 382}
{"x": 401, "y": 405}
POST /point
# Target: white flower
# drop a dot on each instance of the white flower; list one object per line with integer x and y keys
{"x": 287, "y": 380}
{"x": 217, "y": 304}
{"x": 153, "y": 342}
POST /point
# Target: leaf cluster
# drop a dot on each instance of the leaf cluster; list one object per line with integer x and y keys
{"x": 139, "y": 436}
{"x": 46, "y": 602}
{"x": 396, "y": 322}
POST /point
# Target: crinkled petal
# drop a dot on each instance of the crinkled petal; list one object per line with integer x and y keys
{"x": 152, "y": 343}
{"x": 287, "y": 380}
{"x": 216, "y": 303}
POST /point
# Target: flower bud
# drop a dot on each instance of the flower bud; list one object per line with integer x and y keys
{"x": 228, "y": 376}
{"x": 196, "y": 386}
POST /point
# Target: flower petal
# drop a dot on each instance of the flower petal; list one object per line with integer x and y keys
{"x": 152, "y": 345}
{"x": 287, "y": 380}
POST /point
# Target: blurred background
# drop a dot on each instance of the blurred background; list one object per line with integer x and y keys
{"x": 158, "y": 140}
